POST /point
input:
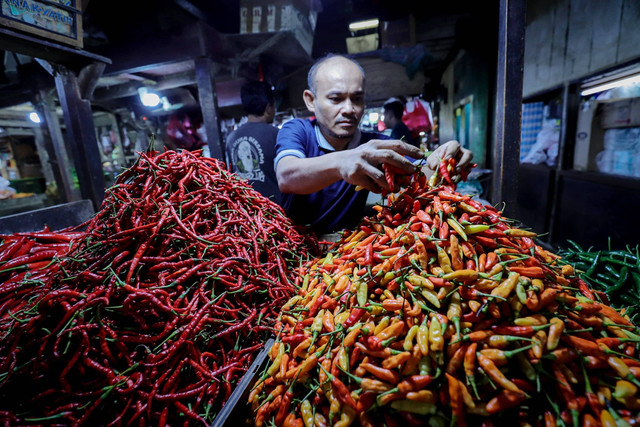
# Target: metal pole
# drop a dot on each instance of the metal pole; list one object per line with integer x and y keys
{"x": 506, "y": 155}
{"x": 209, "y": 105}
{"x": 81, "y": 133}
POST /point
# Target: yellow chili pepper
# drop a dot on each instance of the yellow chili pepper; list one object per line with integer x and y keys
{"x": 431, "y": 296}
{"x": 555, "y": 331}
{"x": 606, "y": 419}
{"x": 389, "y": 276}
{"x": 346, "y": 417}
{"x": 327, "y": 260}
{"x": 507, "y": 286}
{"x": 624, "y": 389}
{"x": 443, "y": 260}
{"x": 533, "y": 320}
{"x": 383, "y": 323}
{"x": 420, "y": 281}
{"x": 341, "y": 317}
{"x": 436, "y": 340}
{"x": 414, "y": 407}
{"x": 619, "y": 366}
{"x": 465, "y": 275}
{"x": 538, "y": 284}
{"x": 305, "y": 282}
{"x": 307, "y": 413}
{"x": 275, "y": 366}
{"x": 408, "y": 339}
{"x": 426, "y": 396}
{"x": 516, "y": 232}
{"x": 423, "y": 339}
{"x": 458, "y": 228}
{"x": 328, "y": 280}
{"x": 539, "y": 342}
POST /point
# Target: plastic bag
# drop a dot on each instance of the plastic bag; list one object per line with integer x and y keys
{"x": 417, "y": 116}
{"x": 545, "y": 150}
{"x": 5, "y": 191}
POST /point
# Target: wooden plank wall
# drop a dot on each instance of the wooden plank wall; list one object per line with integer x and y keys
{"x": 566, "y": 40}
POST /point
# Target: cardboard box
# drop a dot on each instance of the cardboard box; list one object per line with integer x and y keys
{"x": 622, "y": 113}
{"x": 362, "y": 43}
{"x": 297, "y": 16}
{"x": 594, "y": 118}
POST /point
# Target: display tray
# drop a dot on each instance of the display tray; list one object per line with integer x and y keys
{"x": 236, "y": 411}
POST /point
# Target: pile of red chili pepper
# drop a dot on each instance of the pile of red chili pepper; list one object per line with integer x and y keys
{"x": 158, "y": 307}
{"x": 439, "y": 311}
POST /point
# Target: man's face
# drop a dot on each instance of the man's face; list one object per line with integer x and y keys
{"x": 338, "y": 103}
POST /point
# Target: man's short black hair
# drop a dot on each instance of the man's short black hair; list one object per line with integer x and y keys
{"x": 395, "y": 107}
{"x": 256, "y": 96}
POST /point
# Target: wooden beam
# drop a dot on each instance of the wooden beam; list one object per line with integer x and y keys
{"x": 209, "y": 104}
{"x": 506, "y": 155}
{"x": 53, "y": 142}
{"x": 143, "y": 54}
{"x": 131, "y": 89}
{"x": 73, "y": 58}
{"x": 81, "y": 136}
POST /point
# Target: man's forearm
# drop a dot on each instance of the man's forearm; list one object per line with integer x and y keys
{"x": 306, "y": 176}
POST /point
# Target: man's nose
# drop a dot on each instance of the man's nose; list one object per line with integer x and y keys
{"x": 349, "y": 107}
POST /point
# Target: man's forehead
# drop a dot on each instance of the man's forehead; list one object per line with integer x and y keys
{"x": 336, "y": 82}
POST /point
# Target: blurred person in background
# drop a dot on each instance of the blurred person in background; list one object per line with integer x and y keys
{"x": 393, "y": 110}
{"x": 250, "y": 149}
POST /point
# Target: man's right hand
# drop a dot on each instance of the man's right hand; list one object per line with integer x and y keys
{"x": 361, "y": 166}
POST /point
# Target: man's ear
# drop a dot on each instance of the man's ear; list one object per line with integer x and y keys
{"x": 309, "y": 97}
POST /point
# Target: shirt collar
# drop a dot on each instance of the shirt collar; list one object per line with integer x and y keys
{"x": 324, "y": 144}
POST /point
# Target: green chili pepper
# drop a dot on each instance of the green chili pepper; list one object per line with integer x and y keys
{"x": 624, "y": 274}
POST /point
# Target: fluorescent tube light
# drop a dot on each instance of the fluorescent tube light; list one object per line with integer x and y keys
{"x": 626, "y": 81}
{"x": 364, "y": 25}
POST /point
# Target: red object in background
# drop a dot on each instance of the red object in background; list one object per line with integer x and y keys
{"x": 417, "y": 117}
{"x": 183, "y": 132}
{"x": 381, "y": 126}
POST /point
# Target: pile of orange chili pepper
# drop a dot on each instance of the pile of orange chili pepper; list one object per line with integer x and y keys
{"x": 152, "y": 314}
{"x": 438, "y": 310}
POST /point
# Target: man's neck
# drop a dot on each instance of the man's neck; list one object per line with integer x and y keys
{"x": 251, "y": 118}
{"x": 338, "y": 144}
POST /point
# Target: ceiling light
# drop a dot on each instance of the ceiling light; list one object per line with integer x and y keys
{"x": 364, "y": 25}
{"x": 626, "y": 81}
{"x": 34, "y": 117}
{"x": 149, "y": 99}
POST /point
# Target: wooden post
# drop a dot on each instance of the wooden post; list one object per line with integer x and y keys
{"x": 56, "y": 151}
{"x": 209, "y": 105}
{"x": 81, "y": 135}
{"x": 506, "y": 156}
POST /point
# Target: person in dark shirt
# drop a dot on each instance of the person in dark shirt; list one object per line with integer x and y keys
{"x": 320, "y": 162}
{"x": 251, "y": 148}
{"x": 393, "y": 110}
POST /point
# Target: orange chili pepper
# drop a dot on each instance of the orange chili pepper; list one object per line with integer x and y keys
{"x": 454, "y": 250}
{"x": 504, "y": 400}
{"x": 414, "y": 383}
{"x": 396, "y": 360}
{"x": 383, "y": 374}
{"x": 495, "y": 374}
{"x": 393, "y": 330}
{"x": 455, "y": 400}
